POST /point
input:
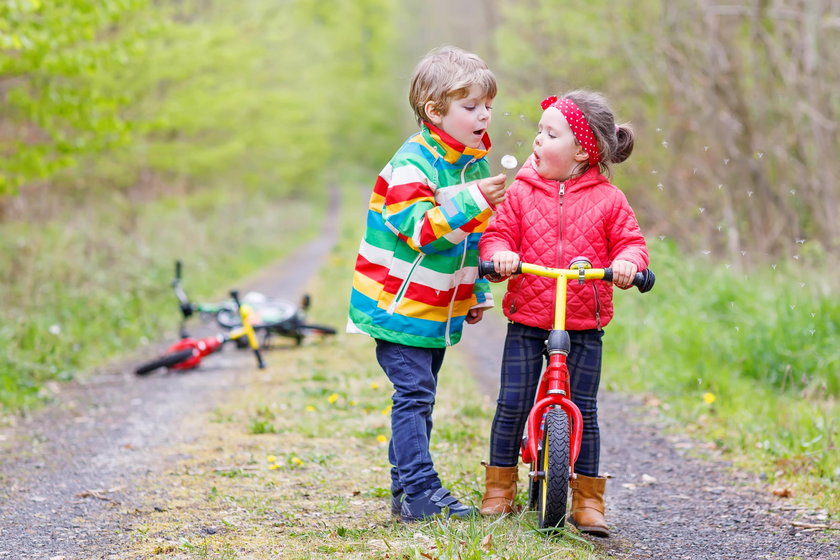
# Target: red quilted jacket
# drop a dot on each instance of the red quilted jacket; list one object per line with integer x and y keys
{"x": 549, "y": 223}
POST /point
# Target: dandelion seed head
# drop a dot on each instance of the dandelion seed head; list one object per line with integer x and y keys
{"x": 508, "y": 161}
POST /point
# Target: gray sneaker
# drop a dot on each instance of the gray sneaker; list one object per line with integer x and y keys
{"x": 434, "y": 502}
{"x": 396, "y": 501}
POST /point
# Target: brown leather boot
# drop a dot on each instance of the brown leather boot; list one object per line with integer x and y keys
{"x": 587, "y": 512}
{"x": 500, "y": 490}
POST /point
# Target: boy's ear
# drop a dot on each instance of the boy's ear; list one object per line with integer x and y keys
{"x": 433, "y": 113}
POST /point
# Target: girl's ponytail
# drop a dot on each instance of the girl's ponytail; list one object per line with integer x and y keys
{"x": 625, "y": 141}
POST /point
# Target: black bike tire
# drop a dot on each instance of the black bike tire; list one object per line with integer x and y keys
{"x": 554, "y": 463}
{"x": 320, "y": 330}
{"x": 222, "y": 316}
{"x": 167, "y": 360}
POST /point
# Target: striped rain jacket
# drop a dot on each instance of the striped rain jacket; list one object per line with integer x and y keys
{"x": 416, "y": 273}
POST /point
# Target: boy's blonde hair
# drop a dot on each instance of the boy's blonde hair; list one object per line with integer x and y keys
{"x": 447, "y": 74}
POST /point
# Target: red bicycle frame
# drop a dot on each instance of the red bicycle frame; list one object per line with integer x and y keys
{"x": 553, "y": 391}
{"x": 205, "y": 346}
{"x": 201, "y": 347}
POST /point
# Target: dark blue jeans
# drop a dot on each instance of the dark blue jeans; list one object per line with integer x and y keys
{"x": 414, "y": 373}
{"x": 523, "y": 360}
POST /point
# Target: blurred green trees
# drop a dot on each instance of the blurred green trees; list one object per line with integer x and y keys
{"x": 735, "y": 105}
{"x": 59, "y": 64}
{"x": 259, "y": 94}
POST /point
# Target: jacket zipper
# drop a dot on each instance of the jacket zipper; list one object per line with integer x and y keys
{"x": 404, "y": 285}
{"x": 560, "y": 226}
{"x": 513, "y": 303}
{"x": 464, "y": 170}
{"x": 452, "y": 299}
{"x": 447, "y": 337}
{"x": 597, "y": 307}
{"x": 560, "y": 232}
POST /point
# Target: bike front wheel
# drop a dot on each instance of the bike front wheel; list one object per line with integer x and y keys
{"x": 554, "y": 465}
{"x": 167, "y": 361}
{"x": 304, "y": 331}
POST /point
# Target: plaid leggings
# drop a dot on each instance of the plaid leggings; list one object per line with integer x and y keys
{"x": 522, "y": 361}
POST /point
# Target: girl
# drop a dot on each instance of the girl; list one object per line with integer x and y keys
{"x": 560, "y": 206}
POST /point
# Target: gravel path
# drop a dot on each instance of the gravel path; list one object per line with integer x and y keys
{"x": 662, "y": 501}
{"x": 67, "y": 473}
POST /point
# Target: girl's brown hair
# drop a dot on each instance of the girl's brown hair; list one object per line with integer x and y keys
{"x": 615, "y": 141}
{"x": 447, "y": 74}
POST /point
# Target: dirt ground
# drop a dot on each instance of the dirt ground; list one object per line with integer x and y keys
{"x": 68, "y": 475}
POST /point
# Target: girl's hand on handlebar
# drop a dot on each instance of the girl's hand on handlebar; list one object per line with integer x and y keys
{"x": 623, "y": 273}
{"x": 506, "y": 262}
{"x": 494, "y": 188}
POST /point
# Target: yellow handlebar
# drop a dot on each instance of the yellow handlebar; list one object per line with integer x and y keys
{"x": 568, "y": 273}
{"x": 643, "y": 280}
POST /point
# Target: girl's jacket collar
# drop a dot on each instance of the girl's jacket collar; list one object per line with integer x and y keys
{"x": 528, "y": 175}
{"x": 450, "y": 149}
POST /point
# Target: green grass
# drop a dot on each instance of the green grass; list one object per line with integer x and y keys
{"x": 85, "y": 287}
{"x": 761, "y": 344}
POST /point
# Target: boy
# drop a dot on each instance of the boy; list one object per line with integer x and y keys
{"x": 415, "y": 282}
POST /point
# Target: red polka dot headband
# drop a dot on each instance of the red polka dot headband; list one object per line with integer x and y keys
{"x": 578, "y": 123}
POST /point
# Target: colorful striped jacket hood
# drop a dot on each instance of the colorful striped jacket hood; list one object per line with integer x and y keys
{"x": 416, "y": 273}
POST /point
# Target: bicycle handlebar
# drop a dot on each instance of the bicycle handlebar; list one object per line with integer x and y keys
{"x": 643, "y": 280}
{"x": 183, "y": 301}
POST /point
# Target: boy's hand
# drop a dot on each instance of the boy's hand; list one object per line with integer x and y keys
{"x": 623, "y": 273}
{"x": 474, "y": 316}
{"x": 494, "y": 188}
{"x": 506, "y": 262}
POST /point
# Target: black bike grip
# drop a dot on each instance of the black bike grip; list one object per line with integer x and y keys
{"x": 644, "y": 280}
{"x": 177, "y": 270}
{"x": 234, "y": 295}
{"x": 488, "y": 268}
{"x": 485, "y": 268}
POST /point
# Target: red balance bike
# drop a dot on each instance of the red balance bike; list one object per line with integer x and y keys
{"x": 551, "y": 444}
{"x": 188, "y": 352}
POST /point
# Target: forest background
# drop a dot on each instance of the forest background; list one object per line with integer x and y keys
{"x": 135, "y": 132}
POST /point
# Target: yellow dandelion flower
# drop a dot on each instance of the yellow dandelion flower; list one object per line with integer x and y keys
{"x": 354, "y": 403}
{"x": 310, "y": 408}
{"x": 374, "y": 385}
{"x": 271, "y": 458}
{"x": 387, "y": 410}
{"x": 273, "y": 467}
{"x": 709, "y": 398}
{"x": 332, "y": 398}
{"x": 381, "y": 439}
{"x": 297, "y": 461}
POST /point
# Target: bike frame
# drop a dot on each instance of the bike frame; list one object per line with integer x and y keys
{"x": 554, "y": 388}
{"x": 287, "y": 325}
{"x": 205, "y": 346}
{"x": 554, "y": 392}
